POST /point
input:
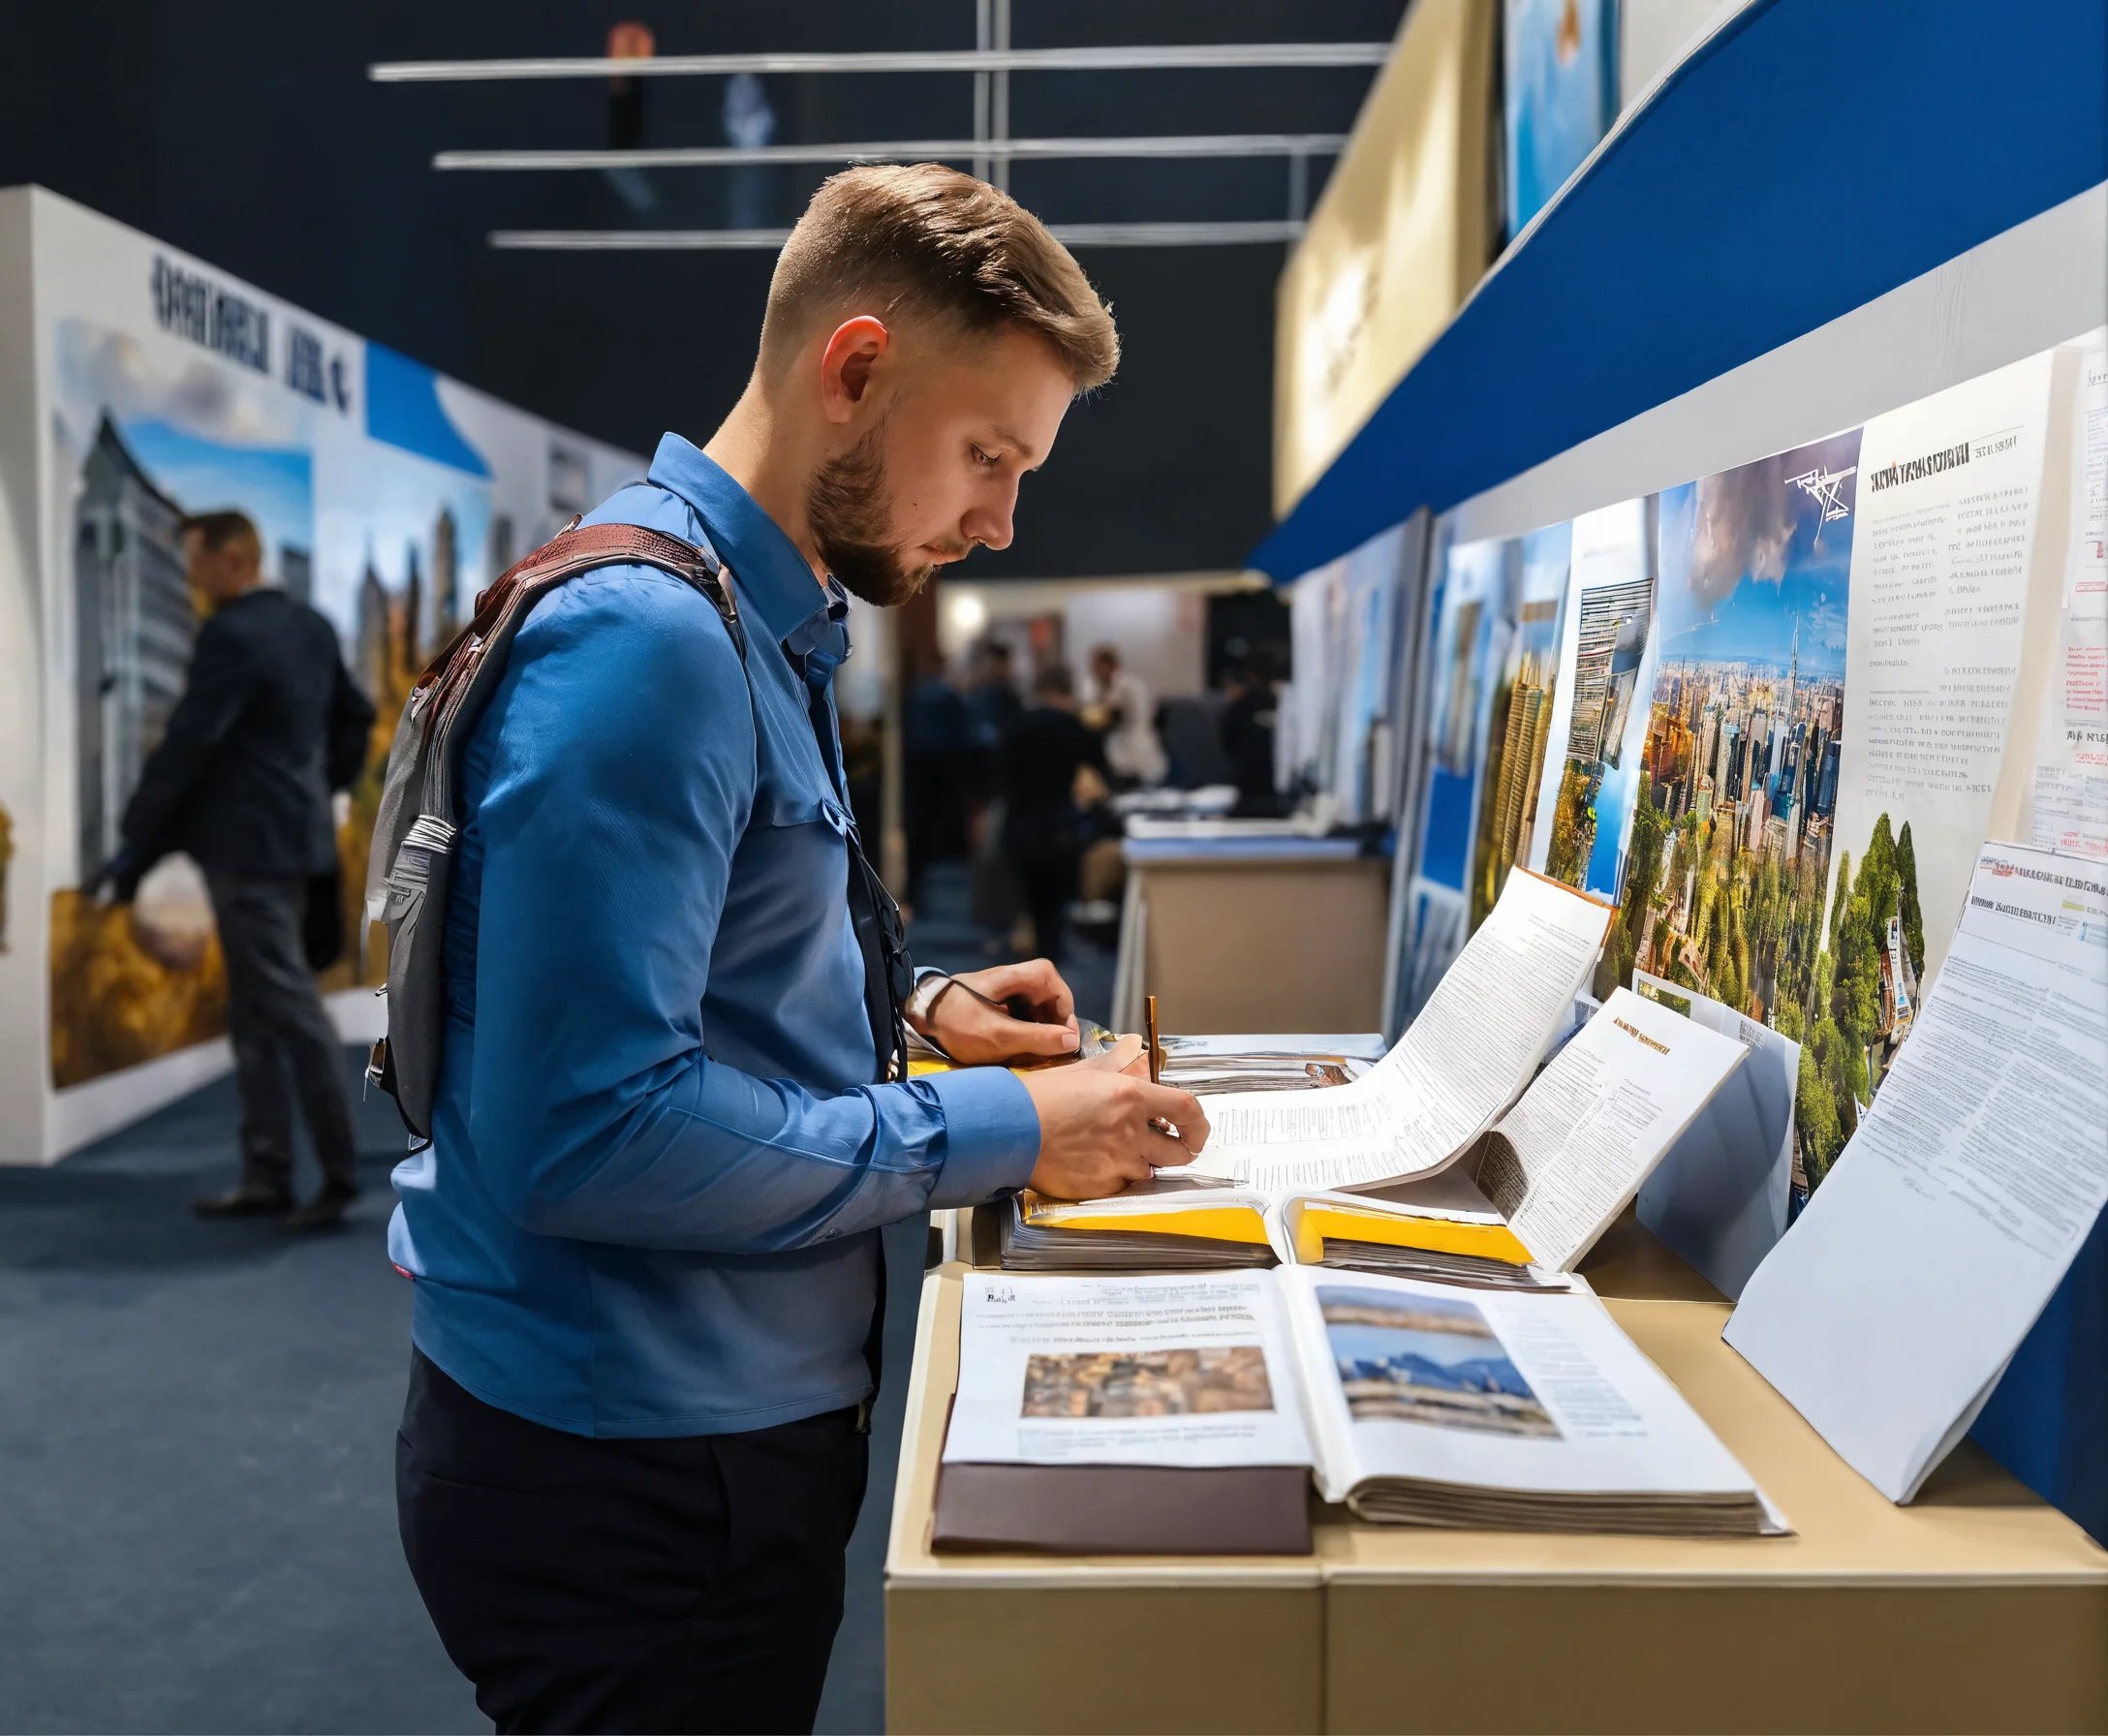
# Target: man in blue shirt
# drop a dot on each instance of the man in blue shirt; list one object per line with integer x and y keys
{"x": 645, "y": 1233}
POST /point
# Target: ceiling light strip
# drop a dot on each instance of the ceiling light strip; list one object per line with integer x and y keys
{"x": 905, "y": 150}
{"x": 1072, "y": 234}
{"x": 1182, "y": 56}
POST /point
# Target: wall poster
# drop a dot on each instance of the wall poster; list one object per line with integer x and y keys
{"x": 1472, "y": 625}
{"x": 387, "y": 497}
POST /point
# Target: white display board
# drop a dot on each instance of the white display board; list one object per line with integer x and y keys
{"x": 138, "y": 384}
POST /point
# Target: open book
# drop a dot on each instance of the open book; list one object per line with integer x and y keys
{"x": 1490, "y": 1020}
{"x": 1410, "y": 1401}
{"x": 1528, "y": 1196}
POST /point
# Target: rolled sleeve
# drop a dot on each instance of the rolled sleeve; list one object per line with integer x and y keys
{"x": 991, "y": 1135}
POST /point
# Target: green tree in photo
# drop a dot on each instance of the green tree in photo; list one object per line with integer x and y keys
{"x": 1571, "y": 833}
{"x": 1913, "y": 915}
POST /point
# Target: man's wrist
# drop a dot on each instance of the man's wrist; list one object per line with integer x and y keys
{"x": 929, "y": 986}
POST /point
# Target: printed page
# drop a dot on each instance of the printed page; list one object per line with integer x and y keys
{"x": 1949, "y": 492}
{"x": 1490, "y": 1389}
{"x": 1900, "y": 1292}
{"x": 1186, "y": 1371}
{"x": 2069, "y": 805}
{"x": 1569, "y": 1157}
{"x": 1473, "y": 1047}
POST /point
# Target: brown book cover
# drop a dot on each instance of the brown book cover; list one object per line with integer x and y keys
{"x": 1124, "y": 1510}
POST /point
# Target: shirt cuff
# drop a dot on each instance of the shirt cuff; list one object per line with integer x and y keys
{"x": 991, "y": 1135}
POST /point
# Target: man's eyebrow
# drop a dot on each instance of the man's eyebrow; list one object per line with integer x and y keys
{"x": 1022, "y": 448}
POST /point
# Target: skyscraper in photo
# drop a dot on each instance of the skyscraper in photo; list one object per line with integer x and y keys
{"x": 447, "y": 575}
{"x": 1608, "y": 613}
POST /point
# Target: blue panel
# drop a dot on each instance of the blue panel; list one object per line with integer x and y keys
{"x": 403, "y": 409}
{"x": 1811, "y": 157}
{"x": 2049, "y": 1418}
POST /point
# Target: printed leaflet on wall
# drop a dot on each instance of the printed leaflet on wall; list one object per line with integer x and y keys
{"x": 1888, "y": 1311}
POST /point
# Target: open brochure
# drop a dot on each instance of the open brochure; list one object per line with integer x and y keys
{"x": 1542, "y": 1185}
{"x": 1410, "y": 1401}
{"x": 1568, "y": 1159}
{"x": 1473, "y": 1047}
{"x": 1888, "y": 1311}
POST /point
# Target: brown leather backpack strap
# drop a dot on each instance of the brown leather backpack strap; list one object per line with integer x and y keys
{"x": 576, "y": 549}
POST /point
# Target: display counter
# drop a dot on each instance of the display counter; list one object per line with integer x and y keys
{"x": 1196, "y": 917}
{"x": 1976, "y": 1608}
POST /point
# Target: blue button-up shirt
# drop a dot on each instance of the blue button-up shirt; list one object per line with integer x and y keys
{"x": 659, "y": 1166}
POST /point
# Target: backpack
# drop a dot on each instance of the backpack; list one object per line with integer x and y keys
{"x": 417, "y": 828}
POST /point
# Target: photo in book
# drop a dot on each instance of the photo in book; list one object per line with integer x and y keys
{"x": 1427, "y": 1359}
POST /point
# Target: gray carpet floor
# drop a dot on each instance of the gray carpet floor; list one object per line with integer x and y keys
{"x": 197, "y": 1427}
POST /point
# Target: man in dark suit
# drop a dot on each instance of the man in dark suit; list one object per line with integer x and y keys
{"x": 269, "y": 723}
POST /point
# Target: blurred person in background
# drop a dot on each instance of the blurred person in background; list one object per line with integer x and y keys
{"x": 993, "y": 709}
{"x": 270, "y": 724}
{"x": 936, "y": 744}
{"x": 1127, "y": 713}
{"x": 1248, "y": 735}
{"x": 1049, "y": 748}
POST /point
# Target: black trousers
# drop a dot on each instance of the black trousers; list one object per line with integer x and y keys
{"x": 278, "y": 1027}
{"x": 685, "y": 1585}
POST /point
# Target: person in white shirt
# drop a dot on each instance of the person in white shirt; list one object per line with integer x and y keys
{"x": 1134, "y": 753}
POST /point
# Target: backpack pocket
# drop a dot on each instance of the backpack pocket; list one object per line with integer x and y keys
{"x": 414, "y": 911}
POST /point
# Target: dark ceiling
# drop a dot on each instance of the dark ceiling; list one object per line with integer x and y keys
{"x": 250, "y": 135}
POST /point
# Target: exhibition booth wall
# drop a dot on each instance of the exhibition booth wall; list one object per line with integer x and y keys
{"x": 138, "y": 384}
{"x": 1766, "y": 584}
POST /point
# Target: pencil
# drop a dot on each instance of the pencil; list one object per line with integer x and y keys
{"x": 1149, "y": 1014}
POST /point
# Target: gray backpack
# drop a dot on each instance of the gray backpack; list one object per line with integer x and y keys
{"x": 418, "y": 827}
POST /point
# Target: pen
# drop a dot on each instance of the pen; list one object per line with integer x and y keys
{"x": 1156, "y": 1055}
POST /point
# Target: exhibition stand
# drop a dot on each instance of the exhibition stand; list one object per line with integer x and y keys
{"x": 1765, "y": 609}
{"x": 1977, "y": 1607}
{"x": 1197, "y": 917}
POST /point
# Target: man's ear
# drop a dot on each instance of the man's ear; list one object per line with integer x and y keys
{"x": 847, "y": 363}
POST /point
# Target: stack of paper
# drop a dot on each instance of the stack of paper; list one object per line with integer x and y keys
{"x": 1156, "y": 1227}
{"x": 1442, "y": 1228}
{"x": 1234, "y": 1064}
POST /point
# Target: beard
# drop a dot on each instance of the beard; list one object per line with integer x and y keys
{"x": 850, "y": 515}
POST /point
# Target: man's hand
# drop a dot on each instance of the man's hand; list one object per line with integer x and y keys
{"x": 1101, "y": 1125}
{"x": 976, "y": 1034}
{"x": 117, "y": 881}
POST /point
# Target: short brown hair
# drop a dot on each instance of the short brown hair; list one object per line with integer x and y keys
{"x": 216, "y": 530}
{"x": 928, "y": 238}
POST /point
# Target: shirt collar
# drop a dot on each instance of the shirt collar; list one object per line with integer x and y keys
{"x": 776, "y": 578}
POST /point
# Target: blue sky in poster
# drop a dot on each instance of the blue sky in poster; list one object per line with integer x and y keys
{"x": 1613, "y": 806}
{"x": 275, "y": 487}
{"x": 1746, "y": 554}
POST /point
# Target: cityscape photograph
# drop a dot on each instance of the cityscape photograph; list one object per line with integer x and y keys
{"x": 1521, "y": 729}
{"x": 1200, "y": 1381}
{"x": 1728, "y": 874}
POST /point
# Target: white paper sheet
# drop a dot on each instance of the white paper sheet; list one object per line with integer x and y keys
{"x": 1569, "y": 1157}
{"x": 1186, "y": 1371}
{"x": 1890, "y": 1309}
{"x": 1463, "y": 1061}
{"x": 1718, "y": 1199}
{"x": 2069, "y": 797}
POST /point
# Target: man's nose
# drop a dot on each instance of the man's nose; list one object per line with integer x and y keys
{"x": 990, "y": 525}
